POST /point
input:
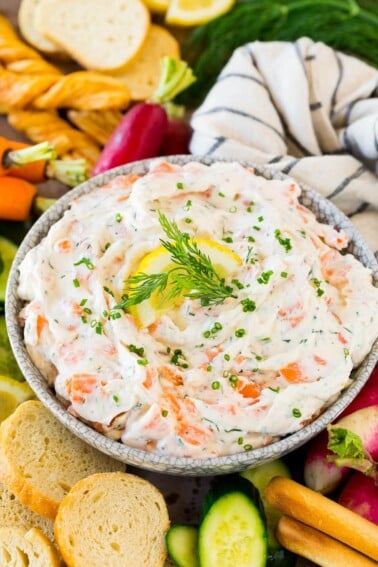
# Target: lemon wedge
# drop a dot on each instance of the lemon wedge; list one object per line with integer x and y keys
{"x": 224, "y": 260}
{"x": 196, "y": 12}
{"x": 12, "y": 393}
{"x": 157, "y": 6}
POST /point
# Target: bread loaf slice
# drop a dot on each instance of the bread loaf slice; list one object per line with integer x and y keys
{"x": 112, "y": 519}
{"x": 15, "y": 514}
{"x": 99, "y": 34}
{"x": 20, "y": 547}
{"x": 142, "y": 75}
{"x": 27, "y": 23}
{"x": 40, "y": 460}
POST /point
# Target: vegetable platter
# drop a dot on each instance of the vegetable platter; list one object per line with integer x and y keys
{"x": 347, "y": 469}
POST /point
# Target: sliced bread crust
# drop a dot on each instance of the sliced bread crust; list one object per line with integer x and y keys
{"x": 40, "y": 460}
{"x": 20, "y": 547}
{"x": 142, "y": 75}
{"x": 112, "y": 519}
{"x": 116, "y": 32}
{"x": 27, "y": 14}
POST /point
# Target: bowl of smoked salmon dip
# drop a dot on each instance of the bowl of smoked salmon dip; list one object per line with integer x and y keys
{"x": 194, "y": 316}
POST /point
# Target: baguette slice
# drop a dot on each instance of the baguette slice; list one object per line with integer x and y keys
{"x": 15, "y": 514}
{"x": 142, "y": 75}
{"x": 99, "y": 34}
{"x": 27, "y": 23}
{"x": 19, "y": 547}
{"x": 40, "y": 460}
{"x": 318, "y": 547}
{"x": 112, "y": 519}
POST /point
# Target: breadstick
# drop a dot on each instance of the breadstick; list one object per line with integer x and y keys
{"x": 48, "y": 126}
{"x": 97, "y": 124}
{"x": 321, "y": 513}
{"x": 316, "y": 546}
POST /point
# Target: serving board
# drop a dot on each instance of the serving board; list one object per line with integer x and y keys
{"x": 183, "y": 495}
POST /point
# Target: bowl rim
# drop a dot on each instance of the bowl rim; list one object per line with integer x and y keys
{"x": 168, "y": 464}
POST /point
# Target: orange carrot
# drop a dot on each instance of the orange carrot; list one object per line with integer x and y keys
{"x": 248, "y": 390}
{"x": 41, "y": 322}
{"x": 33, "y": 171}
{"x": 16, "y": 198}
{"x": 319, "y": 360}
{"x": 292, "y": 373}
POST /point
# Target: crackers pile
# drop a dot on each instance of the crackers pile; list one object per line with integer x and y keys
{"x": 116, "y": 38}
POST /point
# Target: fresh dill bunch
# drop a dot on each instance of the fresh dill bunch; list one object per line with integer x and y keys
{"x": 193, "y": 274}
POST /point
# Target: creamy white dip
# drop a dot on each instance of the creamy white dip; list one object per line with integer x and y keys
{"x": 240, "y": 378}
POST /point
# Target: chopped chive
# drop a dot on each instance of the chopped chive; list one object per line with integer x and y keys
{"x": 116, "y": 398}
{"x": 142, "y": 361}
{"x": 260, "y": 219}
{"x": 248, "y": 447}
{"x": 98, "y": 328}
{"x": 164, "y": 413}
{"x": 346, "y": 352}
{"x": 248, "y": 305}
{"x": 258, "y": 357}
{"x": 233, "y": 379}
{"x": 240, "y": 440}
{"x": 256, "y": 227}
{"x": 107, "y": 245}
{"x": 249, "y": 209}
{"x": 136, "y": 350}
{"x": 180, "y": 185}
{"x": 265, "y": 277}
{"x": 83, "y": 302}
{"x": 232, "y": 209}
{"x": 188, "y": 204}
{"x": 227, "y": 357}
{"x": 283, "y": 274}
{"x": 296, "y": 412}
{"x": 115, "y": 315}
{"x": 227, "y": 239}
{"x": 285, "y": 242}
{"x": 251, "y": 239}
{"x": 217, "y": 326}
{"x": 221, "y": 194}
{"x": 240, "y": 333}
{"x": 276, "y": 390}
{"x": 215, "y": 385}
{"x": 109, "y": 291}
{"x": 119, "y": 217}
{"x": 206, "y": 334}
{"x": 238, "y": 284}
{"x": 105, "y": 313}
{"x": 209, "y": 368}
{"x": 86, "y": 262}
{"x": 266, "y": 340}
{"x": 84, "y": 319}
{"x": 87, "y": 311}
{"x": 76, "y": 282}
{"x": 319, "y": 292}
{"x": 188, "y": 220}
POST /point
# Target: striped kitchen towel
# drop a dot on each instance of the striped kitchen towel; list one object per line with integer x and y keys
{"x": 306, "y": 110}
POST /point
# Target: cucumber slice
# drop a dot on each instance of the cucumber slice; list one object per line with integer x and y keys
{"x": 259, "y": 477}
{"x": 182, "y": 543}
{"x": 7, "y": 252}
{"x": 8, "y": 364}
{"x": 232, "y": 532}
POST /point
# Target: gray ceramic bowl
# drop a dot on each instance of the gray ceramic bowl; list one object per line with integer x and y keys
{"x": 323, "y": 209}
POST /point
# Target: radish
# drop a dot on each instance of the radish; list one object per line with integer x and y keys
{"x": 320, "y": 474}
{"x": 177, "y": 138}
{"x": 354, "y": 440}
{"x": 142, "y": 130}
{"x": 360, "y": 494}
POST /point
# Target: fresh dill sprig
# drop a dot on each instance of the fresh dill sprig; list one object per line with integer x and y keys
{"x": 193, "y": 275}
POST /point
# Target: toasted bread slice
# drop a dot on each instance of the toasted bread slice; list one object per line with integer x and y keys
{"x": 142, "y": 75}
{"x": 116, "y": 32}
{"x": 112, "y": 519}
{"x": 20, "y": 547}
{"x": 15, "y": 514}
{"x": 40, "y": 460}
{"x": 27, "y": 23}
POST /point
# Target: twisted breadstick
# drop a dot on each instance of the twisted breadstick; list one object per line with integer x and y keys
{"x": 99, "y": 124}
{"x": 27, "y": 80}
{"x": 40, "y": 126}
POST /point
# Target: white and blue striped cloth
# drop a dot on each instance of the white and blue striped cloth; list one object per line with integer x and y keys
{"x": 306, "y": 110}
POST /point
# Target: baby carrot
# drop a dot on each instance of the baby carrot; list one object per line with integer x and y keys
{"x": 16, "y": 198}
{"x": 25, "y": 161}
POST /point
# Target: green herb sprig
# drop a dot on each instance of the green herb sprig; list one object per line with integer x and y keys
{"x": 193, "y": 274}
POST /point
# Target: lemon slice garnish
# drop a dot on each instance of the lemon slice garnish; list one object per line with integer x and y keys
{"x": 12, "y": 393}
{"x": 224, "y": 260}
{"x": 196, "y": 12}
{"x": 157, "y": 6}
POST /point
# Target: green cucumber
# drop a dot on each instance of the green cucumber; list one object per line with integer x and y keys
{"x": 232, "y": 530}
{"x": 8, "y": 364}
{"x": 7, "y": 253}
{"x": 181, "y": 541}
{"x": 260, "y": 477}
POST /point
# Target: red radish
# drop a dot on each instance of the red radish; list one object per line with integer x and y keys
{"x": 320, "y": 474}
{"x": 360, "y": 494}
{"x": 139, "y": 135}
{"x": 177, "y": 138}
{"x": 354, "y": 440}
{"x": 142, "y": 130}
